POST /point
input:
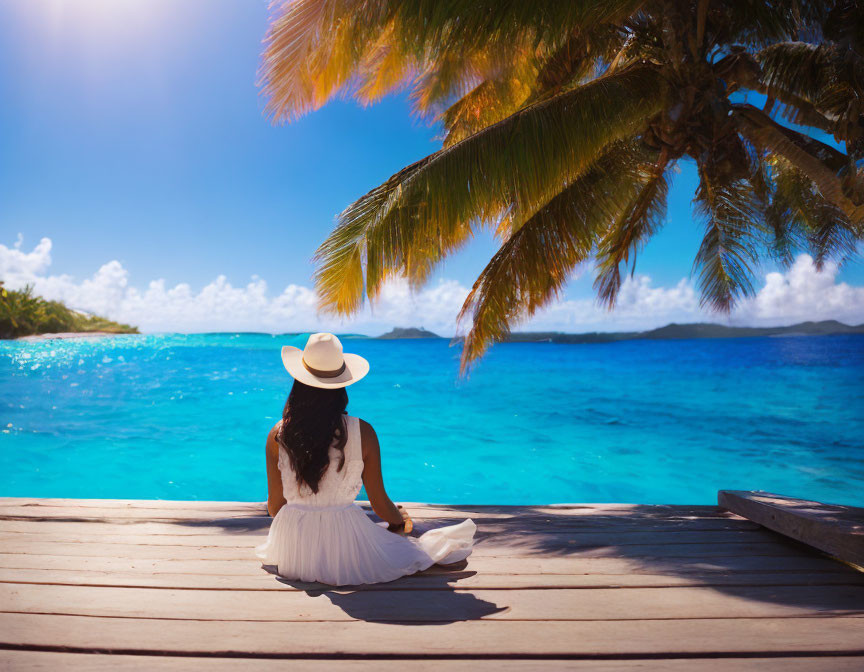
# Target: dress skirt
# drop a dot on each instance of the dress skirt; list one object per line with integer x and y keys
{"x": 341, "y": 546}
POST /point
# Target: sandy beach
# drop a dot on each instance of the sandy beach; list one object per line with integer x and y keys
{"x": 66, "y": 334}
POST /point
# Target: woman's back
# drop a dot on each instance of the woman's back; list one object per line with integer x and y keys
{"x": 338, "y": 486}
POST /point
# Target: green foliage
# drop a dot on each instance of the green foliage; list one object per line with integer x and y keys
{"x": 728, "y": 250}
{"x": 534, "y": 263}
{"x": 520, "y": 160}
{"x": 23, "y": 314}
{"x": 561, "y": 123}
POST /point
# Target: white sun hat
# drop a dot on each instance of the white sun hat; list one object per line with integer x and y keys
{"x": 323, "y": 364}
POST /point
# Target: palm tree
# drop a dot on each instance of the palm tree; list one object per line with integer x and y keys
{"x": 562, "y": 120}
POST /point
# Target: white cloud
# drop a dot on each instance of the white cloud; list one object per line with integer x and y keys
{"x": 801, "y": 293}
{"x": 17, "y": 267}
{"x": 640, "y": 306}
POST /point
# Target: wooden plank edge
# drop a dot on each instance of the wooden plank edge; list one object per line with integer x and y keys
{"x": 626, "y": 581}
{"x": 791, "y": 654}
{"x": 752, "y": 635}
{"x": 843, "y": 541}
{"x": 27, "y": 659}
{"x": 200, "y": 503}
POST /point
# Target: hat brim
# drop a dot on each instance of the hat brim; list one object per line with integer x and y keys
{"x": 355, "y": 368}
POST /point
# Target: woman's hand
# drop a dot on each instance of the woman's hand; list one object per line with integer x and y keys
{"x": 275, "y": 498}
{"x": 405, "y": 526}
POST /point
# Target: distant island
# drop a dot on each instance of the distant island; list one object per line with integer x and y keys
{"x": 669, "y": 332}
{"x": 24, "y": 314}
{"x": 410, "y": 332}
{"x": 689, "y": 331}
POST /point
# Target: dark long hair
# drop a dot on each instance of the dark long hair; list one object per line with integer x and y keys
{"x": 313, "y": 417}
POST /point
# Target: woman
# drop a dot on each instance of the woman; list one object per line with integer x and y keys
{"x": 317, "y": 459}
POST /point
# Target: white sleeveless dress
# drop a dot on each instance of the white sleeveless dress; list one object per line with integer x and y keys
{"x": 327, "y": 538}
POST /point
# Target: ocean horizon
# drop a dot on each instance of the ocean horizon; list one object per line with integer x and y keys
{"x": 184, "y": 416}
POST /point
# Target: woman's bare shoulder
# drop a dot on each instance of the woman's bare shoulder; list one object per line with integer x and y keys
{"x": 272, "y": 437}
{"x": 365, "y": 428}
{"x": 368, "y": 438}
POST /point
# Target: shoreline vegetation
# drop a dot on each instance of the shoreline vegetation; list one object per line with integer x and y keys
{"x": 25, "y": 315}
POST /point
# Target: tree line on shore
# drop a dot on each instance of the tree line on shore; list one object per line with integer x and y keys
{"x": 22, "y": 313}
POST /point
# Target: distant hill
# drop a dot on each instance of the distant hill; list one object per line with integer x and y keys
{"x": 409, "y": 332}
{"x": 696, "y": 330}
{"x": 559, "y": 337}
{"x": 669, "y": 332}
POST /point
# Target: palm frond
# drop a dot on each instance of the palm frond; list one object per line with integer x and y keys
{"x": 315, "y": 49}
{"x": 830, "y": 237}
{"x": 491, "y": 101}
{"x": 507, "y": 171}
{"x": 732, "y": 213}
{"x": 762, "y": 22}
{"x": 522, "y": 76}
{"x": 288, "y": 75}
{"x": 448, "y": 76}
{"x": 583, "y": 55}
{"x": 341, "y": 258}
{"x": 383, "y": 68}
{"x": 533, "y": 264}
{"x": 641, "y": 219}
{"x": 819, "y": 85}
{"x": 787, "y": 235}
{"x": 843, "y": 23}
{"x": 799, "y": 218}
{"x": 831, "y": 171}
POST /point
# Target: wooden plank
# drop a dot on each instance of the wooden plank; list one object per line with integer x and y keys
{"x": 437, "y": 606}
{"x": 45, "y": 661}
{"x": 788, "y": 636}
{"x": 584, "y": 525}
{"x": 225, "y": 516}
{"x": 124, "y": 515}
{"x": 14, "y": 508}
{"x": 568, "y": 509}
{"x": 492, "y": 547}
{"x": 195, "y": 510}
{"x": 433, "y": 581}
{"x": 836, "y": 530}
{"x": 496, "y": 535}
{"x": 481, "y": 564}
{"x": 228, "y": 520}
{"x": 132, "y": 503}
{"x": 49, "y": 661}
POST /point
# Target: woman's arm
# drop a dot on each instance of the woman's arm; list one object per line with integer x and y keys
{"x": 275, "y": 498}
{"x": 373, "y": 481}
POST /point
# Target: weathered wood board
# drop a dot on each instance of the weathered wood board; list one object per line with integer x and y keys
{"x": 834, "y": 529}
{"x": 48, "y": 661}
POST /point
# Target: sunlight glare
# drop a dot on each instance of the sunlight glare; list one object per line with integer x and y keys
{"x": 102, "y": 19}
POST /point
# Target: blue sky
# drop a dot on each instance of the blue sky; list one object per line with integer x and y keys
{"x": 132, "y": 130}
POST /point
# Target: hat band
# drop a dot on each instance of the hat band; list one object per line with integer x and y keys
{"x": 324, "y": 374}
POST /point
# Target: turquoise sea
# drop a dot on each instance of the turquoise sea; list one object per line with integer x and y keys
{"x": 185, "y": 417}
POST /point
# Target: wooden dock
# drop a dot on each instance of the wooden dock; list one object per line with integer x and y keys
{"x": 159, "y": 585}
